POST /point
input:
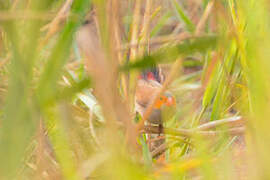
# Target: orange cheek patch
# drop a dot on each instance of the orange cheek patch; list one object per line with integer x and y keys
{"x": 158, "y": 104}
{"x": 161, "y": 101}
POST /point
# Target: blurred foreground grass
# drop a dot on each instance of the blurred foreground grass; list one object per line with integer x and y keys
{"x": 215, "y": 54}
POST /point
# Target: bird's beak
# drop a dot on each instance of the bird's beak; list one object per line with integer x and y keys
{"x": 170, "y": 101}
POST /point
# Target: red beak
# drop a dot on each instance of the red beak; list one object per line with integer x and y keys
{"x": 170, "y": 101}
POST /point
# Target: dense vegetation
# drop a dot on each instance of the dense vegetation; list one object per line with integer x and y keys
{"x": 69, "y": 70}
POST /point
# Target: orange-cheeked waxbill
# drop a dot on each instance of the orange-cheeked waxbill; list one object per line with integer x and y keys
{"x": 148, "y": 85}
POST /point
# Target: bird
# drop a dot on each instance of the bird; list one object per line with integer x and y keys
{"x": 149, "y": 83}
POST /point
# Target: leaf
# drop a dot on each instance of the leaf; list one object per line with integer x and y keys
{"x": 91, "y": 102}
{"x": 163, "y": 20}
{"x": 182, "y": 16}
{"x": 69, "y": 92}
{"x": 146, "y": 153}
{"x": 61, "y": 50}
{"x": 169, "y": 54}
{"x": 85, "y": 96}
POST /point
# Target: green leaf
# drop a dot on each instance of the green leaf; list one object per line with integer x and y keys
{"x": 90, "y": 101}
{"x": 171, "y": 53}
{"x": 182, "y": 16}
{"x": 60, "y": 53}
{"x": 163, "y": 20}
{"x": 69, "y": 92}
{"x": 146, "y": 153}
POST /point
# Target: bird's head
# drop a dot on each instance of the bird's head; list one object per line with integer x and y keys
{"x": 166, "y": 99}
{"x": 153, "y": 75}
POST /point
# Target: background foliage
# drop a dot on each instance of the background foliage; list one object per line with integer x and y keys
{"x": 214, "y": 54}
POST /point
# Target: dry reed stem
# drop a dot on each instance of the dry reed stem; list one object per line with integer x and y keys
{"x": 210, "y": 69}
{"x": 162, "y": 148}
{"x": 233, "y": 121}
{"x": 146, "y": 26}
{"x": 202, "y": 22}
{"x": 73, "y": 65}
{"x": 116, "y": 24}
{"x": 14, "y": 5}
{"x": 135, "y": 28}
{"x": 92, "y": 130}
{"x": 181, "y": 139}
{"x": 25, "y": 15}
{"x": 5, "y": 60}
{"x": 192, "y": 133}
{"x": 193, "y": 8}
{"x": 103, "y": 71}
{"x": 53, "y": 27}
{"x": 87, "y": 168}
{"x": 158, "y": 40}
{"x": 132, "y": 78}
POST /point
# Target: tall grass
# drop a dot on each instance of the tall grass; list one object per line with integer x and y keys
{"x": 69, "y": 71}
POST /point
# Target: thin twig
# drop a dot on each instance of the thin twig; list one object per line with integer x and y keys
{"x": 73, "y": 65}
{"x": 146, "y": 26}
{"x": 14, "y": 4}
{"x": 192, "y": 133}
{"x": 53, "y": 27}
{"x": 132, "y": 78}
{"x": 159, "y": 150}
{"x": 92, "y": 130}
{"x": 6, "y": 16}
{"x": 135, "y": 28}
{"x": 157, "y": 40}
{"x": 163, "y": 147}
{"x": 233, "y": 121}
{"x": 205, "y": 16}
{"x": 4, "y": 61}
{"x": 180, "y": 139}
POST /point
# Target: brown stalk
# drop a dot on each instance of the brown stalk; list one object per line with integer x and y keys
{"x": 159, "y": 150}
{"x": 163, "y": 147}
{"x": 6, "y": 16}
{"x": 102, "y": 66}
{"x": 203, "y": 20}
{"x": 116, "y": 24}
{"x": 146, "y": 26}
{"x": 210, "y": 69}
{"x": 4, "y": 61}
{"x": 132, "y": 79}
{"x": 198, "y": 31}
{"x": 193, "y": 8}
{"x": 135, "y": 28}
{"x": 54, "y": 26}
{"x": 191, "y": 133}
{"x": 157, "y": 41}
{"x": 73, "y": 65}
{"x": 92, "y": 130}
{"x": 14, "y": 5}
{"x": 233, "y": 121}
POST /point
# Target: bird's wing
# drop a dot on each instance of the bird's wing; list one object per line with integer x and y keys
{"x": 145, "y": 91}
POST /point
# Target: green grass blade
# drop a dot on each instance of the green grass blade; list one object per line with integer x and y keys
{"x": 169, "y": 54}
{"x": 182, "y": 16}
{"x": 61, "y": 50}
{"x": 163, "y": 20}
